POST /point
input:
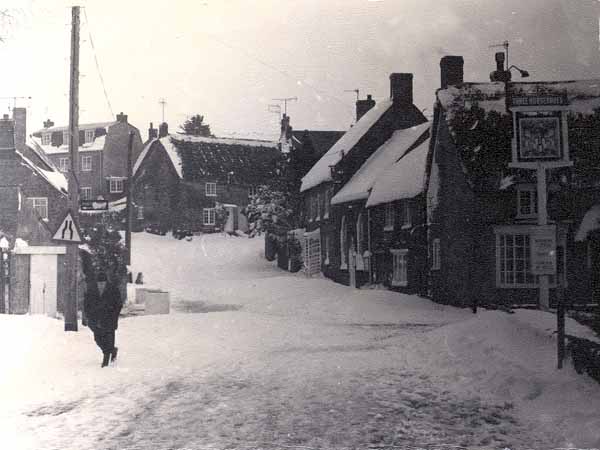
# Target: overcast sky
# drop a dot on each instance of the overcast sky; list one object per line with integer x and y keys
{"x": 228, "y": 59}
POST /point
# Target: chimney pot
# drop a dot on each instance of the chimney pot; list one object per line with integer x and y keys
{"x": 152, "y": 132}
{"x": 20, "y": 118}
{"x": 122, "y": 117}
{"x": 48, "y": 123}
{"x": 401, "y": 88}
{"x": 363, "y": 106}
{"x": 451, "y": 71}
{"x": 163, "y": 130}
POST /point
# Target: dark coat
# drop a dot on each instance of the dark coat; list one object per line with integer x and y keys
{"x": 102, "y": 310}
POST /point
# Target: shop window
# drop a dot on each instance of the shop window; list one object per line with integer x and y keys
{"x": 400, "y": 267}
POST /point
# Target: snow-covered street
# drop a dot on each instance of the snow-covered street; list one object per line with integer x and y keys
{"x": 255, "y": 357}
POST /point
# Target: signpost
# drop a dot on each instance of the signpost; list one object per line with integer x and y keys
{"x": 93, "y": 205}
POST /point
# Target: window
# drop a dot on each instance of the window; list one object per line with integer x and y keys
{"x": 400, "y": 267}
{"x": 46, "y": 138}
{"x": 140, "y": 212}
{"x": 86, "y": 193}
{"x": 209, "y": 216}
{"x": 66, "y": 135}
{"x": 361, "y": 240}
{"x": 252, "y": 191}
{"x": 406, "y": 219}
{"x": 210, "y": 189}
{"x": 89, "y": 136}
{"x": 311, "y": 208}
{"x": 63, "y": 164}
{"x": 327, "y": 203}
{"x": 513, "y": 259}
{"x": 436, "y": 260}
{"x": 115, "y": 185}
{"x": 388, "y": 223}
{"x": 526, "y": 202}
{"x": 40, "y": 205}
{"x": 318, "y": 206}
{"x": 86, "y": 163}
{"x": 326, "y": 243}
{"x": 343, "y": 236}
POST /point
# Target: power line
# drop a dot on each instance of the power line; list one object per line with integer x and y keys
{"x": 97, "y": 63}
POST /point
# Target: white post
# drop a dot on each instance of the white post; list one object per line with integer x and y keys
{"x": 542, "y": 220}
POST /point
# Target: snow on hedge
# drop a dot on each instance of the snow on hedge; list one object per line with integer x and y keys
{"x": 321, "y": 172}
{"x": 367, "y": 176}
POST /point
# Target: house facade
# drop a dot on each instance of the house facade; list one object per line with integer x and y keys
{"x": 488, "y": 204}
{"x": 343, "y": 227}
{"x": 33, "y": 201}
{"x": 103, "y": 152}
{"x": 183, "y": 181}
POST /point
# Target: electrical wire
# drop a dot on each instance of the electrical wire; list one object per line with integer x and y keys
{"x": 97, "y": 63}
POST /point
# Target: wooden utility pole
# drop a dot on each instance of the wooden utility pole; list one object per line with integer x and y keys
{"x": 73, "y": 248}
{"x": 129, "y": 197}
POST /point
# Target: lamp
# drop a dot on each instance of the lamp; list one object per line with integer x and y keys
{"x": 524, "y": 73}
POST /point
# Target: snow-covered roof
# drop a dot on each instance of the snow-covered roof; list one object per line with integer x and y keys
{"x": 142, "y": 156}
{"x": 83, "y": 126}
{"x": 95, "y": 145}
{"x": 405, "y": 179}
{"x": 227, "y": 141}
{"x": 583, "y": 96}
{"x": 320, "y": 172}
{"x": 167, "y": 143}
{"x": 590, "y": 222}
{"x": 54, "y": 177}
{"x": 367, "y": 176}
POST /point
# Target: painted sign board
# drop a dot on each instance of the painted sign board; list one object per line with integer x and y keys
{"x": 543, "y": 250}
{"x": 93, "y": 205}
{"x": 539, "y": 137}
{"x": 68, "y": 230}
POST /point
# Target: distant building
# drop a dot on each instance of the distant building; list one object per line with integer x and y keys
{"x": 181, "y": 180}
{"x": 103, "y": 149}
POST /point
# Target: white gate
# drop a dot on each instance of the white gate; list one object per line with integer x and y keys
{"x": 43, "y": 276}
{"x": 312, "y": 253}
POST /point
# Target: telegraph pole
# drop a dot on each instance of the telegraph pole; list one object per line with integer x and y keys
{"x": 129, "y": 197}
{"x": 73, "y": 248}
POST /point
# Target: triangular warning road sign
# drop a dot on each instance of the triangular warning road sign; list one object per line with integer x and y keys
{"x": 68, "y": 230}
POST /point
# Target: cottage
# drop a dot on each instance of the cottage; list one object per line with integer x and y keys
{"x": 182, "y": 180}
{"x": 488, "y": 203}
{"x": 103, "y": 151}
{"x": 32, "y": 202}
{"x": 343, "y": 229}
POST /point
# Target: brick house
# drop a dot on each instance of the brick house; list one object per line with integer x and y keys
{"x": 388, "y": 193}
{"x": 103, "y": 149}
{"x": 33, "y": 200}
{"x": 336, "y": 226}
{"x": 482, "y": 210}
{"x": 179, "y": 180}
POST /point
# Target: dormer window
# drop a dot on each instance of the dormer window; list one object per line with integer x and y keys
{"x": 526, "y": 202}
{"x": 66, "y": 135}
{"x": 46, "y": 138}
{"x": 89, "y": 136}
{"x": 406, "y": 218}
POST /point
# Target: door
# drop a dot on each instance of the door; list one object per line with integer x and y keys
{"x": 43, "y": 276}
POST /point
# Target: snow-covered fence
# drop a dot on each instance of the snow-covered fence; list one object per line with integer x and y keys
{"x": 585, "y": 355}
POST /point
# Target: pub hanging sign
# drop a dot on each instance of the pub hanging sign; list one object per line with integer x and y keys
{"x": 540, "y": 131}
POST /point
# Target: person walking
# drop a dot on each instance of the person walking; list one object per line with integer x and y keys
{"x": 103, "y": 303}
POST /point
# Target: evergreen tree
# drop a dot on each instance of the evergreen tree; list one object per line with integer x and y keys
{"x": 195, "y": 126}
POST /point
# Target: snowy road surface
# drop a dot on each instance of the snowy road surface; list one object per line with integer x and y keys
{"x": 287, "y": 362}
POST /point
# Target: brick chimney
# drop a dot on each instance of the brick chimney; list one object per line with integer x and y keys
{"x": 451, "y": 71}
{"x": 285, "y": 138}
{"x": 122, "y": 118}
{"x": 362, "y": 106}
{"x": 48, "y": 124}
{"x": 401, "y": 88}
{"x": 163, "y": 130}
{"x": 20, "y": 118}
{"x": 152, "y": 132}
{"x": 7, "y": 135}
